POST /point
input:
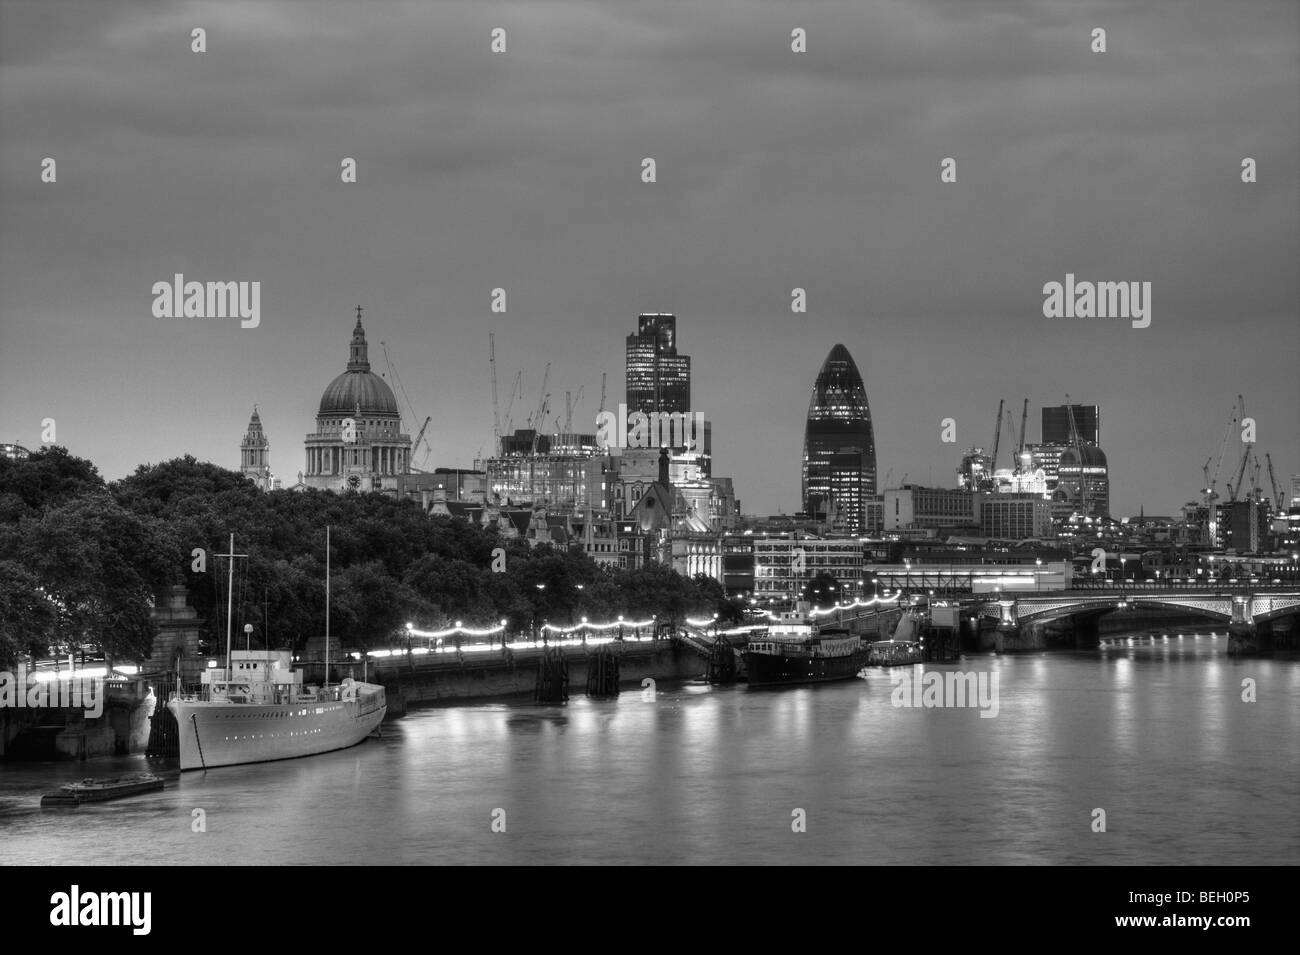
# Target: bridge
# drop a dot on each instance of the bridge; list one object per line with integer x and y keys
{"x": 1259, "y": 617}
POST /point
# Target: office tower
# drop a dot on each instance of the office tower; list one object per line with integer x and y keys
{"x": 1056, "y": 424}
{"x": 839, "y": 449}
{"x": 658, "y": 379}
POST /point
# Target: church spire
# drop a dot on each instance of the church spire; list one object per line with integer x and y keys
{"x": 358, "y": 355}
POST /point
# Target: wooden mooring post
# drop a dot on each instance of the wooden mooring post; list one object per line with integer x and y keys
{"x": 941, "y": 644}
{"x": 552, "y": 678}
{"x": 602, "y": 672}
{"x": 722, "y": 662}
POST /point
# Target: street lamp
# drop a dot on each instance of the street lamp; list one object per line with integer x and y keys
{"x": 1038, "y": 567}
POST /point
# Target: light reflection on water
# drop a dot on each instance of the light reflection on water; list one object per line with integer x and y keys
{"x": 1154, "y": 732}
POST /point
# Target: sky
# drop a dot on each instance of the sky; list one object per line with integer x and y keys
{"x": 774, "y": 170}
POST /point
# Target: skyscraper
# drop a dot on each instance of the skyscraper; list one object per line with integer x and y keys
{"x": 658, "y": 379}
{"x": 839, "y": 445}
{"x": 1056, "y": 424}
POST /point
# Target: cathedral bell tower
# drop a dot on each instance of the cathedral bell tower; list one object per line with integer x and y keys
{"x": 255, "y": 454}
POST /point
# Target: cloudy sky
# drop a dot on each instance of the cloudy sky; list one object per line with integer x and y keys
{"x": 775, "y": 170}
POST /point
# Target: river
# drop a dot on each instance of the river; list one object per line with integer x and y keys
{"x": 1155, "y": 734}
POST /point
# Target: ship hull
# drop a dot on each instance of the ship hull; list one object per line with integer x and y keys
{"x": 230, "y": 734}
{"x": 776, "y": 669}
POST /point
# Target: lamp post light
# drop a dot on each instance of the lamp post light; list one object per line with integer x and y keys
{"x": 620, "y": 628}
{"x": 1038, "y": 568}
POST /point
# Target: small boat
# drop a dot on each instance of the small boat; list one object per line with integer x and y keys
{"x": 102, "y": 790}
{"x": 894, "y": 653}
{"x": 902, "y": 649}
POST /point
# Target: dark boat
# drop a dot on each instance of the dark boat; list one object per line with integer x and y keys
{"x": 794, "y": 651}
{"x": 102, "y": 790}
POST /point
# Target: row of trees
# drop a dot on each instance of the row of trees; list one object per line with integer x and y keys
{"x": 81, "y": 561}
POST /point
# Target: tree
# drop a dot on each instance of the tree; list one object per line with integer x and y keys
{"x": 822, "y": 590}
{"x": 100, "y": 567}
{"x": 28, "y": 617}
{"x": 48, "y": 476}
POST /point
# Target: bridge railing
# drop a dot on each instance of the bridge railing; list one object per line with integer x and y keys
{"x": 1220, "y": 584}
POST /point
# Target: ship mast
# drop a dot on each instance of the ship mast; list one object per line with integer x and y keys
{"x": 230, "y": 597}
{"x": 327, "y": 606}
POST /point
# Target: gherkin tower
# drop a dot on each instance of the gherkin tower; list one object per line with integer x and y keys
{"x": 839, "y": 445}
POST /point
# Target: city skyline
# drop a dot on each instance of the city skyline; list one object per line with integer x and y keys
{"x": 935, "y": 288}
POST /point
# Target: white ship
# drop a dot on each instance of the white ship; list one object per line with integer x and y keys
{"x": 259, "y": 710}
{"x": 256, "y": 709}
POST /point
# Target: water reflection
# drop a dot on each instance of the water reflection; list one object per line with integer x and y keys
{"x": 1155, "y": 732}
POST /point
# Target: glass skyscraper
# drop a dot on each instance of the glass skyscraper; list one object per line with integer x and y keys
{"x": 839, "y": 445}
{"x": 1056, "y": 424}
{"x": 658, "y": 379}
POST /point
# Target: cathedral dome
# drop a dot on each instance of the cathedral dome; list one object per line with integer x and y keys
{"x": 358, "y": 387}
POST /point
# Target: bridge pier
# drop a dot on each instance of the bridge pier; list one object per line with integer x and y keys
{"x": 1020, "y": 637}
{"x": 1262, "y": 638}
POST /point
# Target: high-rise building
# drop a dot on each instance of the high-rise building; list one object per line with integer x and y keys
{"x": 1056, "y": 424}
{"x": 658, "y": 379}
{"x": 839, "y": 445}
{"x": 255, "y": 454}
{"x": 1082, "y": 483}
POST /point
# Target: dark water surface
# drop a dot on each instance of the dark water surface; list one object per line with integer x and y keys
{"x": 1157, "y": 735}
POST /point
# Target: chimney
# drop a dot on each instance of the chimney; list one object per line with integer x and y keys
{"x": 663, "y": 466}
{"x": 424, "y": 500}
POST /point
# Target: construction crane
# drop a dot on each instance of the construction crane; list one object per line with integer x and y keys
{"x": 539, "y": 416}
{"x": 1016, "y": 440}
{"x": 496, "y": 408}
{"x": 1235, "y": 488}
{"x": 418, "y": 438}
{"x": 602, "y": 393}
{"x": 1024, "y": 420}
{"x": 515, "y": 389}
{"x": 997, "y": 435}
{"x": 570, "y": 405}
{"x": 1277, "y": 493}
{"x": 1212, "y": 483}
{"x": 415, "y": 446}
{"x": 1077, "y": 443}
